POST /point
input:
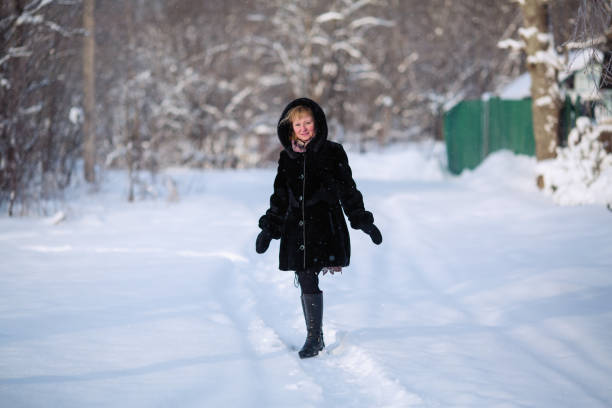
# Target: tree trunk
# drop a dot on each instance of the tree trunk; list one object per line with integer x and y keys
{"x": 544, "y": 88}
{"x": 383, "y": 135}
{"x": 89, "y": 83}
{"x": 131, "y": 127}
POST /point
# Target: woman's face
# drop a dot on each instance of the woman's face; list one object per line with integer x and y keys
{"x": 303, "y": 127}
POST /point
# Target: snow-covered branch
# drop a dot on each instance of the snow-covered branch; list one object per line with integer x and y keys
{"x": 36, "y": 5}
{"x": 511, "y": 44}
{"x": 329, "y": 16}
{"x": 31, "y": 110}
{"x": 371, "y": 22}
{"x": 28, "y": 18}
{"x": 581, "y": 45}
{"x": 15, "y": 52}
{"x": 237, "y": 99}
{"x": 348, "y": 48}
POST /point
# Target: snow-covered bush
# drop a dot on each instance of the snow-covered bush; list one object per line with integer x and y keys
{"x": 582, "y": 172}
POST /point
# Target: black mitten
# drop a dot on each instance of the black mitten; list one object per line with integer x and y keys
{"x": 263, "y": 241}
{"x": 374, "y": 233}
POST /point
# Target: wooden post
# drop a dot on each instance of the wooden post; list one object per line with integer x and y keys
{"x": 89, "y": 96}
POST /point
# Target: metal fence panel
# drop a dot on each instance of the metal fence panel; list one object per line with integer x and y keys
{"x": 463, "y": 135}
{"x": 475, "y": 128}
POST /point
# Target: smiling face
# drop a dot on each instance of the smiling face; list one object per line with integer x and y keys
{"x": 303, "y": 127}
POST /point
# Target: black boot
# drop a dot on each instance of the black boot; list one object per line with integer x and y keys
{"x": 312, "y": 304}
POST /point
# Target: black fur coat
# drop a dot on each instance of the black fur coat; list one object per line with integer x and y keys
{"x": 310, "y": 191}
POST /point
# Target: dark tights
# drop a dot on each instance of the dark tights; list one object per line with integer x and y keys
{"x": 309, "y": 281}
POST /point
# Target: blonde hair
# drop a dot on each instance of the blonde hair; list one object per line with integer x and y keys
{"x": 295, "y": 113}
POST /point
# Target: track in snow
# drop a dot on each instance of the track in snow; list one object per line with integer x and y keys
{"x": 481, "y": 295}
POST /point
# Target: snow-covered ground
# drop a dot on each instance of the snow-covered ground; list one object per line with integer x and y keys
{"x": 483, "y": 294}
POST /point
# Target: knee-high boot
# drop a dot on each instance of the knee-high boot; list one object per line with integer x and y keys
{"x": 312, "y": 305}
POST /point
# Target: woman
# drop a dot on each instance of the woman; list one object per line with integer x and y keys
{"x": 313, "y": 184}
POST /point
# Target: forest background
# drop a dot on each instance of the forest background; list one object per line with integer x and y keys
{"x": 201, "y": 83}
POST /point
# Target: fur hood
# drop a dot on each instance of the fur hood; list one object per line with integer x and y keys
{"x": 284, "y": 129}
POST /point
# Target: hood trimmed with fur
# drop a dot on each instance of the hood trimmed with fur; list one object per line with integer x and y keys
{"x": 284, "y": 130}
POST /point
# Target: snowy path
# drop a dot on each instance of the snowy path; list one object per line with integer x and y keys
{"x": 482, "y": 295}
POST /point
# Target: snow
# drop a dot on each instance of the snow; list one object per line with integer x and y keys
{"x": 448, "y": 101}
{"x": 17, "y": 52}
{"x": 527, "y": 32}
{"x": 272, "y": 80}
{"x": 40, "y": 5}
{"x": 75, "y": 115}
{"x": 330, "y": 69}
{"x": 520, "y": 88}
{"x": 57, "y": 218}
{"x": 511, "y": 44}
{"x": 144, "y": 76}
{"x": 256, "y": 17}
{"x": 580, "y": 59}
{"x": 329, "y": 16}
{"x": 346, "y": 47}
{"x": 371, "y": 21}
{"x": 548, "y": 57}
{"x": 32, "y": 110}
{"x": 545, "y": 100}
{"x": 262, "y": 129}
{"x": 320, "y": 40}
{"x": 582, "y": 172}
{"x": 27, "y": 18}
{"x": 484, "y": 293}
{"x": 545, "y": 38}
{"x": 384, "y": 100}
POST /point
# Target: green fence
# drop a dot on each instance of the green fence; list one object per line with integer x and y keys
{"x": 473, "y": 129}
{"x": 570, "y": 111}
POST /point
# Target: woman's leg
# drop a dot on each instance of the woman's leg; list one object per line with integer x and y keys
{"x": 309, "y": 281}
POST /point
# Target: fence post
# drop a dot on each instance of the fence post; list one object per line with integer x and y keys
{"x": 484, "y": 133}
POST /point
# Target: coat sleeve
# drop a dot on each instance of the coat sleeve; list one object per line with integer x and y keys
{"x": 351, "y": 198}
{"x": 272, "y": 221}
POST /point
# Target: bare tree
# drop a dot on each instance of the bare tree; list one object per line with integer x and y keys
{"x": 593, "y": 32}
{"x": 39, "y": 122}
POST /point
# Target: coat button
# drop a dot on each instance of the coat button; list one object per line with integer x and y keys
{"x": 301, "y": 223}
{"x": 300, "y": 198}
{"x": 301, "y": 247}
